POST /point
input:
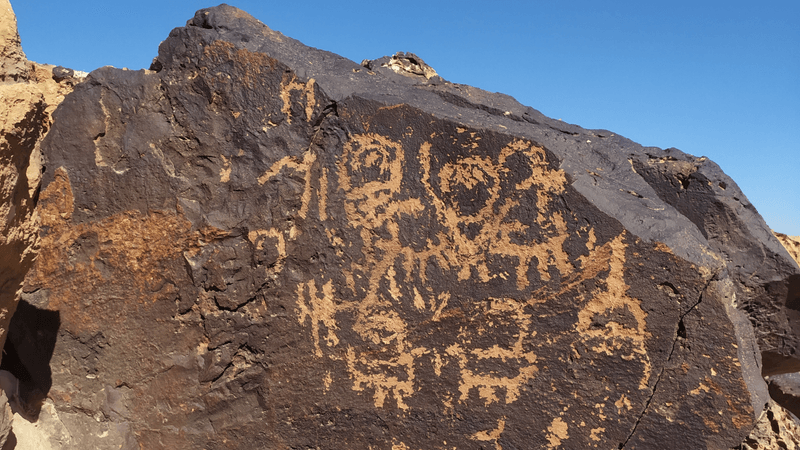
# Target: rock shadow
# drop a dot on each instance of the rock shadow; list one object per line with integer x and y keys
{"x": 29, "y": 347}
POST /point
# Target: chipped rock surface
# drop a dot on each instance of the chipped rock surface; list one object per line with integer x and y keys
{"x": 6, "y": 420}
{"x": 13, "y": 63}
{"x": 785, "y": 390}
{"x": 792, "y": 244}
{"x": 25, "y": 117}
{"x": 776, "y": 429}
{"x": 28, "y": 96}
{"x": 257, "y": 244}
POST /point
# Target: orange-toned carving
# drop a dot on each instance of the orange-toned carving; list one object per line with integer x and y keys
{"x": 469, "y": 204}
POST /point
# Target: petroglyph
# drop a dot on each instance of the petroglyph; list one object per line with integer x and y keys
{"x": 486, "y": 381}
{"x": 287, "y": 260}
{"x": 614, "y": 336}
{"x": 225, "y": 170}
{"x": 319, "y": 310}
{"x": 473, "y": 209}
{"x": 491, "y": 435}
{"x": 289, "y": 83}
{"x": 479, "y": 178}
{"x": 300, "y": 166}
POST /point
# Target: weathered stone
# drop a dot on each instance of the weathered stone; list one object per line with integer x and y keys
{"x": 13, "y": 63}
{"x": 28, "y": 97}
{"x": 62, "y": 73}
{"x": 259, "y": 244}
{"x": 406, "y": 64}
{"x": 785, "y": 390}
{"x": 25, "y": 117}
{"x": 776, "y": 429}
{"x": 6, "y": 419}
{"x": 792, "y": 244}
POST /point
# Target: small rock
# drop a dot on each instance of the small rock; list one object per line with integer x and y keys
{"x": 62, "y": 73}
{"x": 410, "y": 64}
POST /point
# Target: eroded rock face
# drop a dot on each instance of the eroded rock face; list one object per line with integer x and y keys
{"x": 6, "y": 419}
{"x": 29, "y": 93}
{"x": 785, "y": 390}
{"x": 13, "y": 63}
{"x": 28, "y": 96}
{"x": 259, "y": 244}
{"x": 792, "y": 244}
{"x": 25, "y": 118}
{"x": 776, "y": 428}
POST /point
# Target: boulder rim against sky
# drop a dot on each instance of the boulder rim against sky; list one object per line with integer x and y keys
{"x": 257, "y": 244}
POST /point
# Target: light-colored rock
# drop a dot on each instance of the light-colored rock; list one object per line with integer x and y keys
{"x": 409, "y": 64}
{"x": 13, "y": 63}
{"x": 776, "y": 429}
{"x": 66, "y": 430}
{"x": 6, "y": 418}
{"x": 792, "y": 244}
{"x": 26, "y": 106}
{"x": 47, "y": 433}
{"x": 10, "y": 386}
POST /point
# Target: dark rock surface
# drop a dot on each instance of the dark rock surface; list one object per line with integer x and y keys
{"x": 258, "y": 244}
{"x": 785, "y": 390}
{"x": 62, "y": 73}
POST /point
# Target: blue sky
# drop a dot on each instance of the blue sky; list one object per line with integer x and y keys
{"x": 712, "y": 78}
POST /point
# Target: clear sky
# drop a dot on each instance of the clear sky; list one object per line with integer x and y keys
{"x": 712, "y": 78}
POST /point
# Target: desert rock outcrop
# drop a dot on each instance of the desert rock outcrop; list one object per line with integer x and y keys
{"x": 260, "y": 244}
{"x": 28, "y": 96}
{"x": 792, "y": 244}
{"x": 13, "y": 63}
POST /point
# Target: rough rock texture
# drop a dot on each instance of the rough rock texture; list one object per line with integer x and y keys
{"x": 6, "y": 419}
{"x": 785, "y": 390}
{"x": 48, "y": 432}
{"x": 29, "y": 94}
{"x": 777, "y": 429}
{"x": 13, "y": 63}
{"x": 792, "y": 244}
{"x": 25, "y": 117}
{"x": 257, "y": 244}
{"x": 406, "y": 64}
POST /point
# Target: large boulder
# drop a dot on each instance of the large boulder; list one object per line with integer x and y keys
{"x": 257, "y": 244}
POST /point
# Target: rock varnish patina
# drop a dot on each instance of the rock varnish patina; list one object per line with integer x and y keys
{"x": 257, "y": 244}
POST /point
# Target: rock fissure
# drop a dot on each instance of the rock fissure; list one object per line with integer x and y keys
{"x": 680, "y": 326}
{"x": 644, "y": 411}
